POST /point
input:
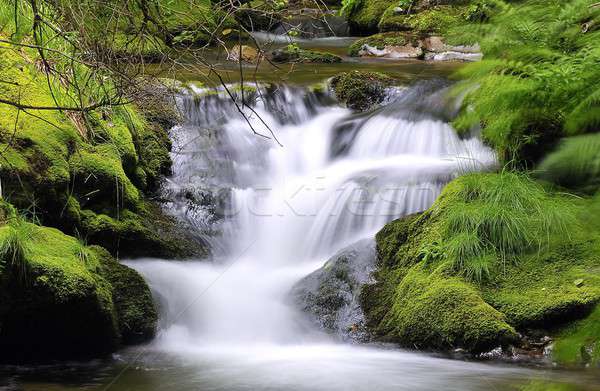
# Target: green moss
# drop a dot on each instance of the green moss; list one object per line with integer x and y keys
{"x": 132, "y": 299}
{"x": 58, "y": 289}
{"x": 147, "y": 232}
{"x": 427, "y": 309}
{"x": 380, "y": 41}
{"x": 100, "y": 179}
{"x": 391, "y": 237}
{"x": 580, "y": 342}
{"x": 542, "y": 291}
{"x": 360, "y": 90}
{"x": 434, "y": 20}
{"x": 60, "y": 299}
{"x": 293, "y": 53}
{"x": 54, "y": 166}
{"x": 365, "y": 18}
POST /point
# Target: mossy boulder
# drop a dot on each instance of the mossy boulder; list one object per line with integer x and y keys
{"x": 298, "y": 55}
{"x": 132, "y": 300}
{"x": 433, "y": 20}
{"x": 365, "y": 19}
{"x": 579, "y": 343}
{"x": 505, "y": 245}
{"x": 359, "y": 90}
{"x": 431, "y": 310}
{"x": 60, "y": 301}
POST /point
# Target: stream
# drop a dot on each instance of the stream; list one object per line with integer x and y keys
{"x": 273, "y": 214}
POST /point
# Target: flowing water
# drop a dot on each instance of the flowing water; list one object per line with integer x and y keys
{"x": 273, "y": 207}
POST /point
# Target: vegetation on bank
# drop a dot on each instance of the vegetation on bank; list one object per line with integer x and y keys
{"x": 83, "y": 147}
{"x": 61, "y": 298}
{"x": 522, "y": 243}
{"x": 84, "y": 171}
{"x": 499, "y": 240}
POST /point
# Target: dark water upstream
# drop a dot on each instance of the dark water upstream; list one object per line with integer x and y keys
{"x": 226, "y": 324}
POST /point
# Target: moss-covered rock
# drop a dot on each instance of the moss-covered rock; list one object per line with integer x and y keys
{"x": 360, "y": 90}
{"x": 501, "y": 243}
{"x": 56, "y": 299}
{"x": 136, "y": 314}
{"x": 65, "y": 169}
{"x": 431, "y": 310}
{"x": 365, "y": 19}
{"x": 434, "y": 20}
{"x": 296, "y": 54}
{"x": 579, "y": 344}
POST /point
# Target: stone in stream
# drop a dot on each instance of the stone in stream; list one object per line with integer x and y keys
{"x": 329, "y": 295}
{"x": 401, "y": 45}
{"x": 361, "y": 91}
{"x": 293, "y": 54}
{"x": 244, "y": 53}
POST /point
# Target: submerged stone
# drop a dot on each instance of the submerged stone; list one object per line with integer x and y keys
{"x": 330, "y": 294}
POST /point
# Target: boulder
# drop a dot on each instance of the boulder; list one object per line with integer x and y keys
{"x": 437, "y": 50}
{"x": 330, "y": 294}
{"x": 394, "y": 52}
{"x": 302, "y": 55}
{"x": 244, "y": 53}
{"x": 361, "y": 91}
{"x": 63, "y": 300}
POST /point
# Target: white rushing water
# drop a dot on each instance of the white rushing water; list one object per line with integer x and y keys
{"x": 276, "y": 213}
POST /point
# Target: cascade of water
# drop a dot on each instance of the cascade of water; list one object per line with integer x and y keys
{"x": 276, "y": 213}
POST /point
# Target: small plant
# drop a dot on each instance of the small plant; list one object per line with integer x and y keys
{"x": 13, "y": 251}
{"x": 292, "y": 48}
{"x": 493, "y": 219}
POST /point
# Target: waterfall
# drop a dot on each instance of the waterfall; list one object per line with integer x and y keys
{"x": 272, "y": 214}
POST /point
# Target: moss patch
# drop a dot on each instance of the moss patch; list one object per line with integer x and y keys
{"x": 433, "y": 311}
{"x": 434, "y": 20}
{"x": 579, "y": 344}
{"x": 62, "y": 169}
{"x": 360, "y": 90}
{"x": 296, "y": 54}
{"x": 57, "y": 300}
{"x": 365, "y": 18}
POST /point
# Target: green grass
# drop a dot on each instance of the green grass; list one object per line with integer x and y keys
{"x": 488, "y": 221}
{"x": 13, "y": 251}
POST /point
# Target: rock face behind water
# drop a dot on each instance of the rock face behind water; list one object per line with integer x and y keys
{"x": 329, "y": 295}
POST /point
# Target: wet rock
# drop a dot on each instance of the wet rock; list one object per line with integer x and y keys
{"x": 330, "y": 295}
{"x": 453, "y": 56}
{"x": 405, "y": 51}
{"x": 361, "y": 91}
{"x": 437, "y": 50}
{"x": 302, "y": 55}
{"x": 244, "y": 53}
